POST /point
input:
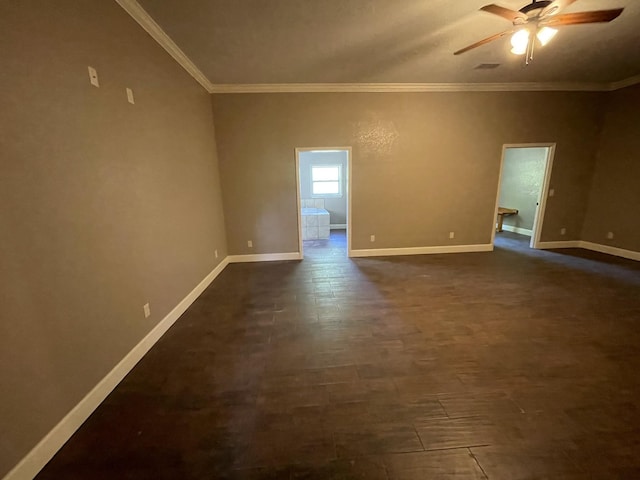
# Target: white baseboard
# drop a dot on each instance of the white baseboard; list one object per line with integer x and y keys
{"x": 338, "y": 226}
{"x": 39, "y": 455}
{"x": 264, "y": 257}
{"x": 596, "y": 247}
{"x": 559, "y": 244}
{"x": 618, "y": 252}
{"x": 514, "y": 229}
{"x": 384, "y": 252}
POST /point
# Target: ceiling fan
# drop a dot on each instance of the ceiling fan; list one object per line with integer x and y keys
{"x": 535, "y": 24}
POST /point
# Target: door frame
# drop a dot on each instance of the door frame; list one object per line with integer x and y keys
{"x": 298, "y": 151}
{"x": 543, "y": 195}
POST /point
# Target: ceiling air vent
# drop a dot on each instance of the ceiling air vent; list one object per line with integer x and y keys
{"x": 486, "y": 66}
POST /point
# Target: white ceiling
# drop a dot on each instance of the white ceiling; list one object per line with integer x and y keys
{"x": 383, "y": 41}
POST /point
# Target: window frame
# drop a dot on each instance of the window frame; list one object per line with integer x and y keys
{"x": 313, "y": 182}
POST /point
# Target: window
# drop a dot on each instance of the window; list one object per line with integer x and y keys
{"x": 325, "y": 181}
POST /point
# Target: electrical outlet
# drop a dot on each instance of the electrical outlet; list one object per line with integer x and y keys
{"x": 147, "y": 310}
{"x": 452, "y": 234}
{"x": 130, "y": 96}
{"x": 372, "y": 238}
{"x": 215, "y": 252}
{"x": 250, "y": 244}
{"x": 609, "y": 235}
{"x": 93, "y": 77}
{"x": 563, "y": 231}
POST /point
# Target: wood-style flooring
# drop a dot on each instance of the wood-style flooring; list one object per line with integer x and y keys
{"x": 515, "y": 364}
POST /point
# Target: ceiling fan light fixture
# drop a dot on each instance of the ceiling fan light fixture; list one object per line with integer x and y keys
{"x": 545, "y": 34}
{"x": 520, "y": 41}
{"x": 532, "y": 24}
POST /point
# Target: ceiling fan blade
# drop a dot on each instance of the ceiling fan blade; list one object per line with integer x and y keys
{"x": 597, "y": 16}
{"x": 482, "y": 42}
{"x": 556, "y": 7}
{"x": 511, "y": 15}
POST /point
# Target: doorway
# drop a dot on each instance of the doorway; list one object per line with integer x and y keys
{"x": 523, "y": 188}
{"x": 323, "y": 181}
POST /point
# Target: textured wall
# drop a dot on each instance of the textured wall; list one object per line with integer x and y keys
{"x": 337, "y": 207}
{"x": 423, "y": 164}
{"x": 614, "y": 203}
{"x": 521, "y": 184}
{"x": 103, "y": 205}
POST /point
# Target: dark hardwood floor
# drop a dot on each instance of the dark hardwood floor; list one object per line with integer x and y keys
{"x": 516, "y": 364}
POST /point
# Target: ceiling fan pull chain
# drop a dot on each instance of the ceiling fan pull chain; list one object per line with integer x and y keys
{"x": 530, "y": 48}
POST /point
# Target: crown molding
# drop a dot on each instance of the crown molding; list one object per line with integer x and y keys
{"x": 627, "y": 82}
{"x": 140, "y": 15}
{"x": 406, "y": 87}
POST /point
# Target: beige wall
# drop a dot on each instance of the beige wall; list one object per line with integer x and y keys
{"x": 103, "y": 205}
{"x": 521, "y": 184}
{"x": 424, "y": 164}
{"x": 614, "y": 203}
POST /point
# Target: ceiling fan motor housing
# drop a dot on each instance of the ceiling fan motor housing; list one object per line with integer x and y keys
{"x": 534, "y": 10}
{"x": 536, "y": 6}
